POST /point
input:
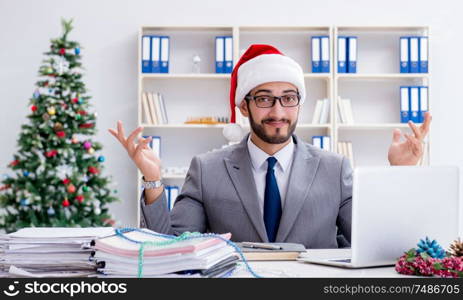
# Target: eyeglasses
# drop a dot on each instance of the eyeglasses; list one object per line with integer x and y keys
{"x": 267, "y": 101}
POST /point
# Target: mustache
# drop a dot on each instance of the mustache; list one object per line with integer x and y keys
{"x": 276, "y": 120}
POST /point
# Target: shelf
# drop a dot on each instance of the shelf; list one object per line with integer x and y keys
{"x": 317, "y": 75}
{"x": 383, "y": 29}
{"x": 373, "y": 126}
{"x": 148, "y": 126}
{"x": 383, "y": 76}
{"x": 184, "y": 76}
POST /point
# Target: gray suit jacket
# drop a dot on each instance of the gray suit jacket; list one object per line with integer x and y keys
{"x": 219, "y": 195}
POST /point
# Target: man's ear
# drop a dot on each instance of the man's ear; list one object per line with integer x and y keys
{"x": 244, "y": 108}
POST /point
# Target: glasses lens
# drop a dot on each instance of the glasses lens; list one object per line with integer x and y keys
{"x": 290, "y": 100}
{"x": 264, "y": 101}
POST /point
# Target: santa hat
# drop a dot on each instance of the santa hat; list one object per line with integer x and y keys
{"x": 261, "y": 64}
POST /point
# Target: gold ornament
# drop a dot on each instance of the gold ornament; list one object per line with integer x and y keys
{"x": 51, "y": 110}
{"x": 58, "y": 127}
{"x": 91, "y": 150}
{"x": 456, "y": 249}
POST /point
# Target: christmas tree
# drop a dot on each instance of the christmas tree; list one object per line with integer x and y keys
{"x": 57, "y": 178}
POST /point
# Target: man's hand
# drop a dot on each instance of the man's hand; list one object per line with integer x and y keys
{"x": 409, "y": 152}
{"x": 141, "y": 154}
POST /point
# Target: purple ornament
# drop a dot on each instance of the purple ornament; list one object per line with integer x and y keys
{"x": 87, "y": 145}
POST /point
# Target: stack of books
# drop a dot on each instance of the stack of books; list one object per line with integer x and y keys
{"x": 50, "y": 251}
{"x": 345, "y": 148}
{"x": 345, "y": 114}
{"x": 119, "y": 255}
{"x": 154, "y": 109}
{"x": 322, "y": 112}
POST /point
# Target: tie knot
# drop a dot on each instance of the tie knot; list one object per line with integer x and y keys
{"x": 271, "y": 162}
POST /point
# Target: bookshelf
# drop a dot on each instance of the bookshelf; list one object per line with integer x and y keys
{"x": 373, "y": 90}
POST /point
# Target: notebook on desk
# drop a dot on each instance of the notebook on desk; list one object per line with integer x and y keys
{"x": 393, "y": 208}
{"x": 287, "y": 251}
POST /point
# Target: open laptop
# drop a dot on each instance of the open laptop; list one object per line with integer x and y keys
{"x": 392, "y": 209}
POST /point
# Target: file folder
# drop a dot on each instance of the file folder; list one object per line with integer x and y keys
{"x": 404, "y": 54}
{"x": 317, "y": 141}
{"x": 165, "y": 54}
{"x": 155, "y": 144}
{"x": 146, "y": 54}
{"x": 325, "y": 54}
{"x": 228, "y": 54}
{"x": 155, "y": 54}
{"x": 424, "y": 107}
{"x": 414, "y": 104}
{"x": 404, "y": 104}
{"x": 219, "y": 54}
{"x": 414, "y": 54}
{"x": 316, "y": 68}
{"x": 342, "y": 54}
{"x": 423, "y": 49}
{"x": 352, "y": 54}
{"x": 326, "y": 143}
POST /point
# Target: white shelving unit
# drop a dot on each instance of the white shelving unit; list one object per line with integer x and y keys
{"x": 374, "y": 90}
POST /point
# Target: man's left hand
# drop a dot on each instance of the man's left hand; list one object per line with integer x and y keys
{"x": 409, "y": 152}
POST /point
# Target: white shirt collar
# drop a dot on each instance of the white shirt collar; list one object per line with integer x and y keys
{"x": 259, "y": 157}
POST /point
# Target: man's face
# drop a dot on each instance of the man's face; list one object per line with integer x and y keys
{"x": 276, "y": 124}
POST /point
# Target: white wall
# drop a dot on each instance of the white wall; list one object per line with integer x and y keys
{"x": 108, "y": 32}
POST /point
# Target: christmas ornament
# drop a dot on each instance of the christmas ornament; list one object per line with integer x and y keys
{"x": 58, "y": 127}
{"x": 51, "y": 153}
{"x": 456, "y": 248}
{"x": 93, "y": 170}
{"x": 80, "y": 198}
{"x": 66, "y": 181}
{"x": 71, "y": 189}
{"x": 26, "y": 174}
{"x": 51, "y": 111}
{"x": 97, "y": 211}
{"x": 62, "y": 51}
{"x": 87, "y": 145}
{"x": 5, "y": 187}
{"x": 421, "y": 264}
{"x": 80, "y": 101}
{"x": 77, "y": 51}
{"x": 74, "y": 140}
{"x": 14, "y": 163}
{"x": 50, "y": 211}
{"x": 86, "y": 125}
{"x": 33, "y": 108}
{"x": 78, "y": 117}
{"x": 61, "y": 134}
{"x": 85, "y": 188}
{"x": 36, "y": 94}
{"x": 49, "y": 70}
{"x": 75, "y": 100}
{"x": 65, "y": 202}
{"x": 85, "y": 178}
{"x": 82, "y": 112}
{"x": 24, "y": 202}
{"x": 101, "y": 158}
{"x": 91, "y": 151}
{"x": 432, "y": 248}
{"x": 45, "y": 117}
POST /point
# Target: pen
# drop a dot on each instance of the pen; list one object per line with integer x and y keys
{"x": 261, "y": 246}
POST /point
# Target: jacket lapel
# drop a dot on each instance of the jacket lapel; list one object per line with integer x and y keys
{"x": 239, "y": 168}
{"x": 303, "y": 170}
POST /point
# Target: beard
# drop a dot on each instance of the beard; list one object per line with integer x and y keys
{"x": 278, "y": 138}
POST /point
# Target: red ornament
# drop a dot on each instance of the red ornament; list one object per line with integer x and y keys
{"x": 51, "y": 153}
{"x": 66, "y": 181}
{"x": 71, "y": 189}
{"x": 82, "y": 112}
{"x": 5, "y": 187}
{"x": 45, "y": 83}
{"x": 86, "y": 125}
{"x": 65, "y": 202}
{"x": 80, "y": 198}
{"x": 75, "y": 100}
{"x": 61, "y": 134}
{"x": 64, "y": 105}
{"x": 93, "y": 170}
{"x": 34, "y": 108}
{"x": 14, "y": 163}
{"x": 62, "y": 51}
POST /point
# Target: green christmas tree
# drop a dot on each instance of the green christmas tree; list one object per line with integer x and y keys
{"x": 57, "y": 177}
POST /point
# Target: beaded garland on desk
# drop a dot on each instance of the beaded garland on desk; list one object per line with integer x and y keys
{"x": 172, "y": 239}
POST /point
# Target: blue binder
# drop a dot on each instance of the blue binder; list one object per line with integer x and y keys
{"x": 342, "y": 54}
{"x": 219, "y": 54}
{"x": 316, "y": 55}
{"x": 325, "y": 54}
{"x": 423, "y": 50}
{"x": 146, "y": 54}
{"x": 317, "y": 141}
{"x": 165, "y": 54}
{"x": 155, "y": 54}
{"x": 228, "y": 56}
{"x": 424, "y": 104}
{"x": 326, "y": 143}
{"x": 352, "y": 54}
{"x": 414, "y": 54}
{"x": 404, "y": 104}
{"x": 404, "y": 54}
{"x": 415, "y": 104}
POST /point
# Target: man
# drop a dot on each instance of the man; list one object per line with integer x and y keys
{"x": 271, "y": 187}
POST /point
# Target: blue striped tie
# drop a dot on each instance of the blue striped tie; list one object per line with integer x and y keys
{"x": 272, "y": 201}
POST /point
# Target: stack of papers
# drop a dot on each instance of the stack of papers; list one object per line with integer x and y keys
{"x": 198, "y": 257}
{"x": 50, "y": 251}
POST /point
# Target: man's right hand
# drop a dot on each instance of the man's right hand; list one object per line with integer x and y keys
{"x": 141, "y": 154}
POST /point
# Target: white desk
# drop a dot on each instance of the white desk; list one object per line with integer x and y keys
{"x": 303, "y": 269}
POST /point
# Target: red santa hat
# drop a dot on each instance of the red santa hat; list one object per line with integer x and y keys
{"x": 261, "y": 64}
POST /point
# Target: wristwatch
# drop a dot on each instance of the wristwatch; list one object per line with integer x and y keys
{"x": 150, "y": 184}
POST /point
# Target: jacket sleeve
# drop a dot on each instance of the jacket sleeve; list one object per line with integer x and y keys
{"x": 188, "y": 211}
{"x": 344, "y": 219}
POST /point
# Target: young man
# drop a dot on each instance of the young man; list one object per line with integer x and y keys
{"x": 271, "y": 187}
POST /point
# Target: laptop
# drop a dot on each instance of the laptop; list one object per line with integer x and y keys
{"x": 392, "y": 209}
